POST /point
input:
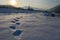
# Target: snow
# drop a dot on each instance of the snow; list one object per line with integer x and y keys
{"x": 35, "y": 26}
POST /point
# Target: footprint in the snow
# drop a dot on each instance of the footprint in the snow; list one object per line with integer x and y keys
{"x": 13, "y": 21}
{"x": 21, "y": 17}
{"x": 16, "y": 19}
{"x": 12, "y": 27}
{"x": 18, "y": 23}
{"x": 17, "y": 33}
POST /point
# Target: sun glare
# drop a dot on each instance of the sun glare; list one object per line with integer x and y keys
{"x": 13, "y": 2}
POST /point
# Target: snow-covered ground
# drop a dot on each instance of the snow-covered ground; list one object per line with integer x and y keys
{"x": 33, "y": 26}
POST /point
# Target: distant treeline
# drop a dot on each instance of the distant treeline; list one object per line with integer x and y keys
{"x": 9, "y": 8}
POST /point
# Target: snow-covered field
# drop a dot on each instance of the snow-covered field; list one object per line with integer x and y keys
{"x": 33, "y": 26}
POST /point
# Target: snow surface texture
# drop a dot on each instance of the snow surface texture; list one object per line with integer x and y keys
{"x": 34, "y": 27}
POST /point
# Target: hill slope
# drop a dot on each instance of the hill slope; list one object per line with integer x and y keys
{"x": 55, "y": 9}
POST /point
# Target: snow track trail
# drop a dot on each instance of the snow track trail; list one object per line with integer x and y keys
{"x": 29, "y": 27}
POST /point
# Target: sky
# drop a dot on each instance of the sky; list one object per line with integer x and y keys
{"x": 44, "y": 4}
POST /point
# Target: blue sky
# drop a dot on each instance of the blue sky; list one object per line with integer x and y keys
{"x": 45, "y": 4}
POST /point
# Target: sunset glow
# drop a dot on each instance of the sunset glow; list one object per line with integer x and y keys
{"x": 13, "y": 2}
